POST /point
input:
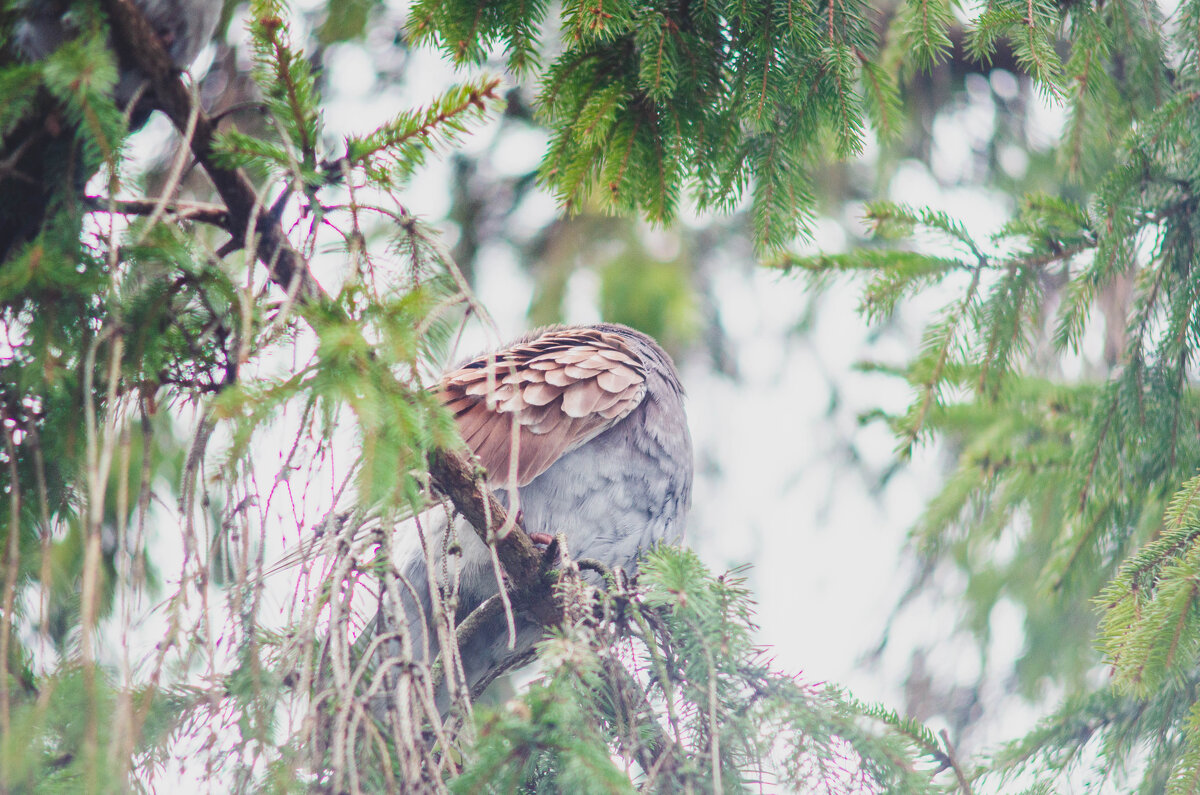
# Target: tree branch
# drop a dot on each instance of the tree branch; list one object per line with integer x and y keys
{"x": 138, "y": 45}
{"x": 963, "y": 782}
{"x": 204, "y": 212}
{"x": 522, "y": 562}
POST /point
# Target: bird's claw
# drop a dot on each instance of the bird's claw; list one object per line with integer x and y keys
{"x": 553, "y": 547}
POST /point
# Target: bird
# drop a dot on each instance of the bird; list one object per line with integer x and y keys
{"x": 42, "y": 164}
{"x": 603, "y": 457}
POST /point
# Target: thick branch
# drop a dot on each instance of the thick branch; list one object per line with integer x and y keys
{"x": 138, "y": 45}
{"x": 522, "y": 562}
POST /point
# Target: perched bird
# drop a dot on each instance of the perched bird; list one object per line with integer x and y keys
{"x": 42, "y": 164}
{"x": 603, "y": 456}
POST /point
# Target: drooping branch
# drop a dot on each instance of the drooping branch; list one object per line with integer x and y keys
{"x": 138, "y": 45}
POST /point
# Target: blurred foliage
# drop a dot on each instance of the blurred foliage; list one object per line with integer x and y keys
{"x": 1072, "y": 494}
{"x": 655, "y": 296}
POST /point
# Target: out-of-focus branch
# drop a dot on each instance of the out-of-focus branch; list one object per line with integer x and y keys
{"x": 204, "y": 212}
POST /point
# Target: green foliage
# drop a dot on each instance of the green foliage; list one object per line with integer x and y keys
{"x": 1067, "y": 494}
{"x": 1061, "y": 496}
{"x": 394, "y": 151}
{"x": 653, "y": 296}
{"x": 550, "y": 742}
{"x": 109, "y": 339}
{"x": 115, "y": 336}
{"x": 1029, "y": 28}
{"x": 923, "y": 25}
{"x": 290, "y": 96}
{"x": 669, "y": 682}
{"x": 347, "y": 21}
{"x": 735, "y": 99}
{"x": 66, "y": 723}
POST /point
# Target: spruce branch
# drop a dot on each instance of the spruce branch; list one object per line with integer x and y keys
{"x": 407, "y": 138}
{"x": 951, "y": 759}
{"x": 203, "y": 212}
{"x": 941, "y": 346}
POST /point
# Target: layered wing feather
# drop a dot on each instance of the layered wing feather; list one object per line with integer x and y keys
{"x": 548, "y": 396}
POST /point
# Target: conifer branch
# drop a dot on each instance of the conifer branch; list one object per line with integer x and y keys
{"x": 203, "y": 212}
{"x": 950, "y": 759}
{"x": 410, "y": 135}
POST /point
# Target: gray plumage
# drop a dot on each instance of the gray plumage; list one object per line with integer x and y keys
{"x": 613, "y": 491}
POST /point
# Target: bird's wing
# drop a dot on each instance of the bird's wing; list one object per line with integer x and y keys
{"x": 550, "y": 395}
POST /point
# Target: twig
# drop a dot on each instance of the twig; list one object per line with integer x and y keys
{"x": 175, "y": 173}
{"x": 591, "y": 564}
{"x": 487, "y": 610}
{"x": 963, "y": 782}
{"x": 204, "y": 212}
{"x": 12, "y": 570}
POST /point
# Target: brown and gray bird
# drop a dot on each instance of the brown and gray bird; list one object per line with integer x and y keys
{"x": 42, "y": 165}
{"x": 603, "y": 456}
